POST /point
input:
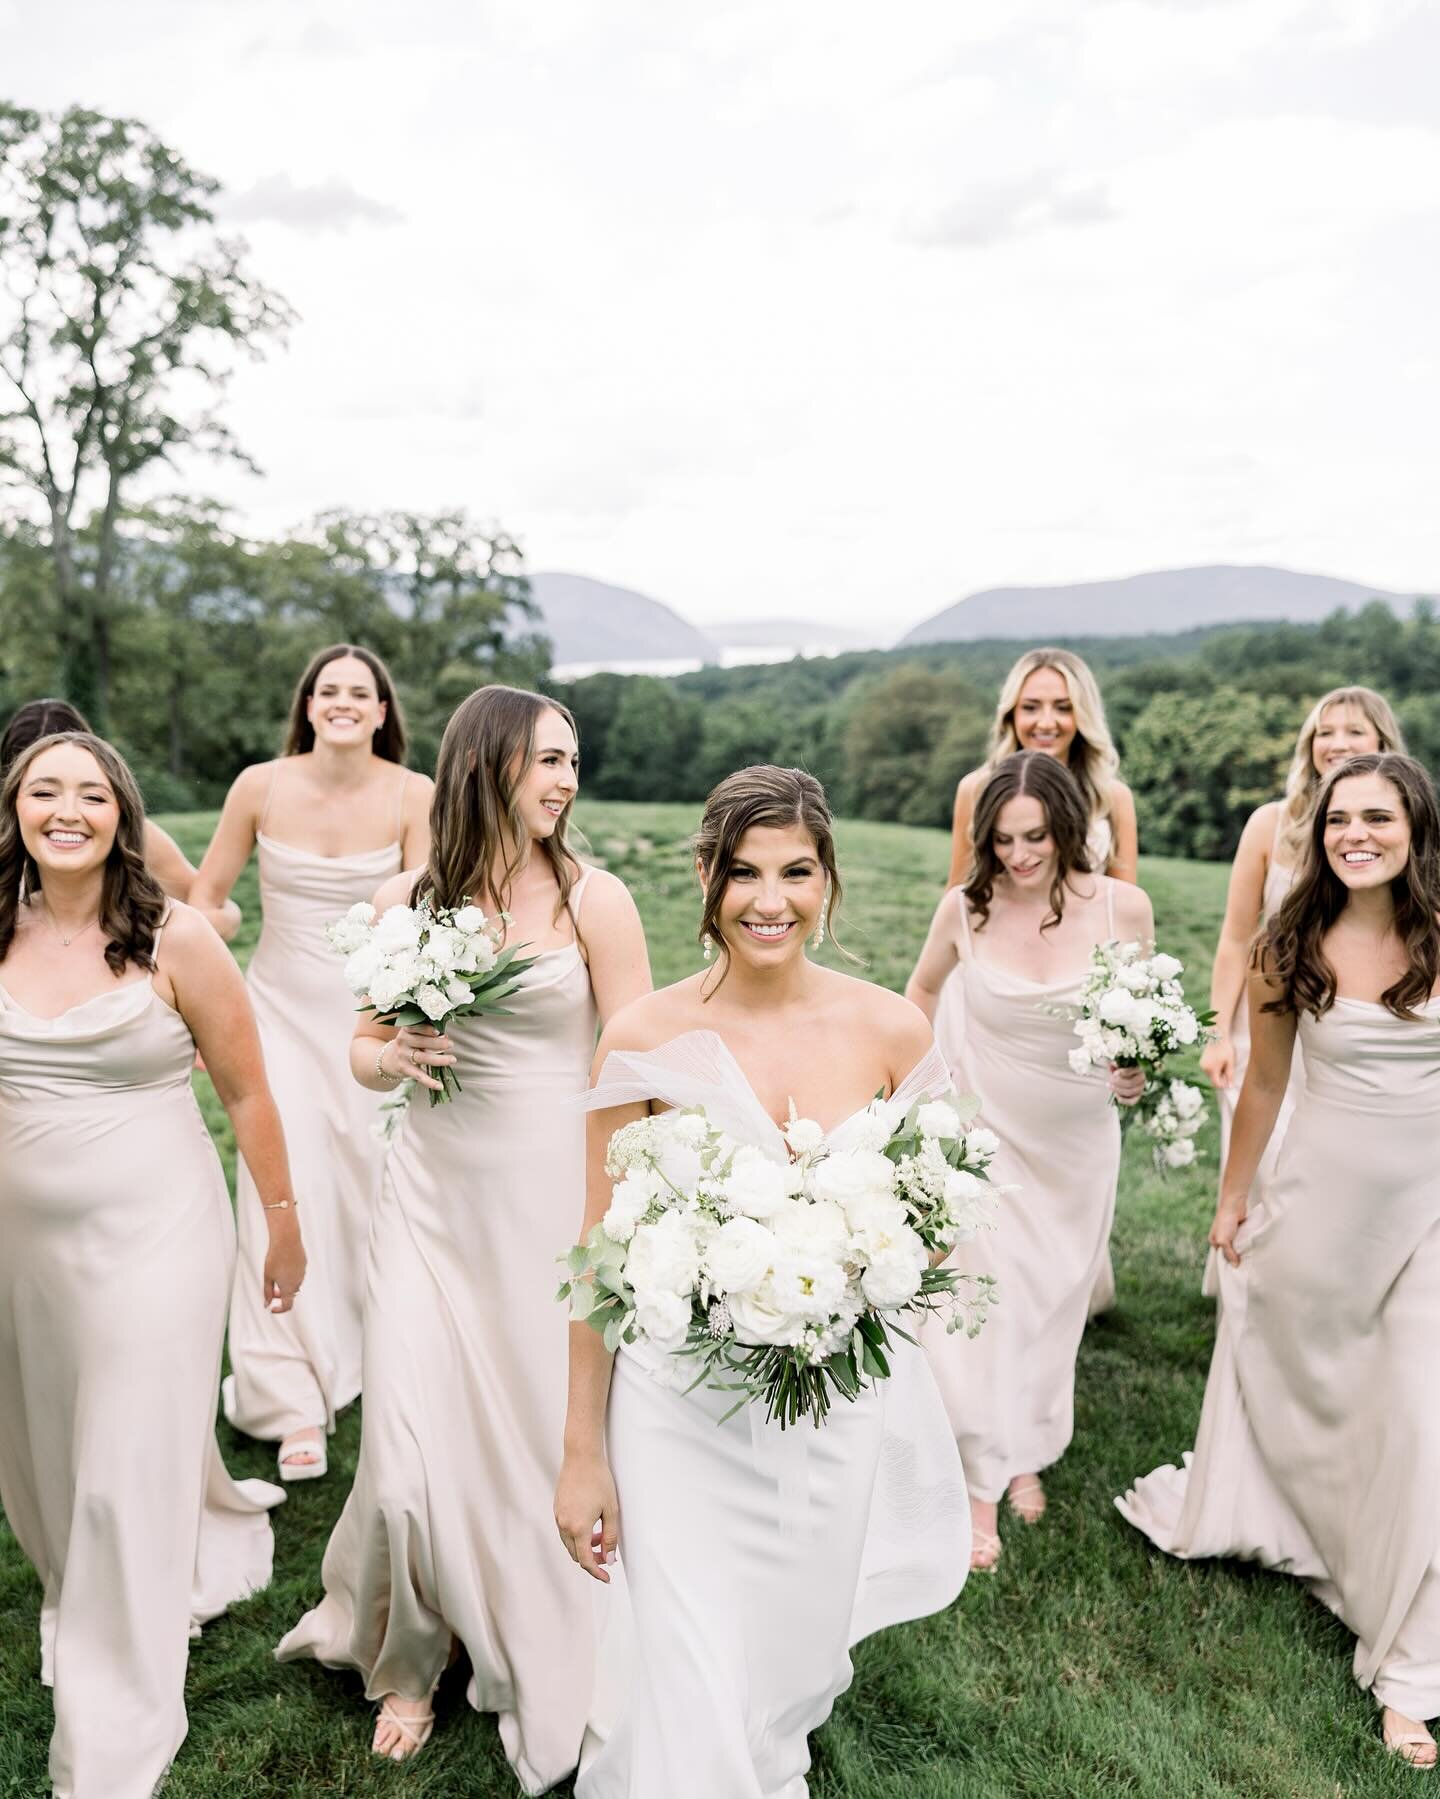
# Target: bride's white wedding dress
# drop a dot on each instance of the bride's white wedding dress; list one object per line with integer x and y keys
{"x": 754, "y": 1557}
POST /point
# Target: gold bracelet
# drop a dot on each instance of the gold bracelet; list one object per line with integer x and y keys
{"x": 281, "y": 1205}
{"x": 380, "y": 1067}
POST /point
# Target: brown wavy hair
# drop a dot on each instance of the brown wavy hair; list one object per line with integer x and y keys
{"x": 1041, "y": 777}
{"x": 475, "y": 824}
{"x": 390, "y": 742}
{"x": 37, "y": 719}
{"x": 769, "y": 797}
{"x": 132, "y": 902}
{"x": 1292, "y": 951}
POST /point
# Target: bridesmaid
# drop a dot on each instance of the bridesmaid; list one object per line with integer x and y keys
{"x": 116, "y": 1246}
{"x": 1319, "y": 1446}
{"x": 445, "y": 1538}
{"x": 332, "y": 816}
{"x": 164, "y": 857}
{"x": 1347, "y": 721}
{"x": 743, "y": 1613}
{"x": 1018, "y": 936}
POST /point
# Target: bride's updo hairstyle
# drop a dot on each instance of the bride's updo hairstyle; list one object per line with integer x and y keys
{"x": 1034, "y": 774}
{"x": 1291, "y": 950}
{"x": 773, "y": 798}
{"x": 475, "y": 823}
{"x": 132, "y": 902}
{"x": 389, "y": 742}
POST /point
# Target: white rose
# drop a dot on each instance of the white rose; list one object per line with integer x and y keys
{"x": 809, "y": 1285}
{"x": 758, "y": 1317}
{"x": 664, "y": 1256}
{"x": 469, "y": 919}
{"x": 980, "y": 1144}
{"x": 820, "y": 1227}
{"x": 739, "y": 1256}
{"x": 755, "y": 1185}
{"x": 804, "y": 1136}
{"x": 481, "y": 956}
{"x": 664, "y": 1318}
{"x": 432, "y": 1001}
{"x": 1166, "y": 968}
{"x": 398, "y": 928}
{"x": 457, "y": 993}
{"x": 849, "y": 1175}
{"x": 893, "y": 1278}
{"x": 938, "y": 1119}
{"x": 1180, "y": 1153}
{"x": 630, "y": 1200}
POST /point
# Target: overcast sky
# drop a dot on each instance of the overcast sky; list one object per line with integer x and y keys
{"x": 820, "y": 308}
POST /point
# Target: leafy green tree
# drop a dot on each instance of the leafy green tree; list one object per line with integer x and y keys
{"x": 650, "y": 744}
{"x": 1199, "y": 765}
{"x": 906, "y": 741}
{"x": 120, "y": 317}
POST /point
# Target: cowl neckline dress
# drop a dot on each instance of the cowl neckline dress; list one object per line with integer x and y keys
{"x": 752, "y": 1557}
{"x": 116, "y": 1248}
{"x": 1318, "y": 1451}
{"x": 301, "y": 1368}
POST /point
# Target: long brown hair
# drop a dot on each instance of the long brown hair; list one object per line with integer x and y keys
{"x": 1292, "y": 951}
{"x": 37, "y": 719}
{"x": 1028, "y": 773}
{"x": 132, "y": 902}
{"x": 486, "y": 752}
{"x": 389, "y": 742}
{"x": 768, "y": 797}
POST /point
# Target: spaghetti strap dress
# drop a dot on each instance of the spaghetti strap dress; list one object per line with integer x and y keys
{"x": 1318, "y": 1450}
{"x": 448, "y": 1531}
{"x": 1010, "y": 1391}
{"x": 300, "y": 1368}
{"x": 116, "y": 1249}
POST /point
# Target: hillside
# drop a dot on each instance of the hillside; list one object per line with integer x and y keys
{"x": 1167, "y": 600}
{"x": 590, "y": 621}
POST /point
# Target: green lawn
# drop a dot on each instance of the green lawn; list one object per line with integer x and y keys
{"x": 1087, "y": 1666}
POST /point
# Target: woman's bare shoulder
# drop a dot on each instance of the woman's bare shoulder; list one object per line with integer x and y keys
{"x": 397, "y": 890}
{"x": 890, "y": 1019}
{"x": 654, "y": 1018}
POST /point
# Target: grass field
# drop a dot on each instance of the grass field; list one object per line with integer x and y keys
{"x": 1087, "y": 1666}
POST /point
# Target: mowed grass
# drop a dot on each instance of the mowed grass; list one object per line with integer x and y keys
{"x": 1087, "y": 1666}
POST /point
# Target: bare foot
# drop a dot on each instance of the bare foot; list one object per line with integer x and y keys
{"x": 1027, "y": 1498}
{"x": 302, "y": 1448}
{"x": 1407, "y": 1738}
{"x": 403, "y": 1727}
{"x": 984, "y": 1537}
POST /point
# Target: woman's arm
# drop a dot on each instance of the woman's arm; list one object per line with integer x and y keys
{"x": 1124, "y": 863}
{"x": 613, "y": 941}
{"x": 231, "y": 845}
{"x": 209, "y": 994}
{"x": 1272, "y": 1048}
{"x": 939, "y": 956}
{"x": 1243, "y": 901}
{"x": 961, "y": 848}
{"x": 174, "y": 871}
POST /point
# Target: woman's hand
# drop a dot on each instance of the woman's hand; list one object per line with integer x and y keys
{"x": 1218, "y": 1061}
{"x": 1230, "y": 1214}
{"x": 284, "y": 1260}
{"x": 413, "y": 1052}
{"x": 1127, "y": 1084}
{"x": 587, "y": 1513}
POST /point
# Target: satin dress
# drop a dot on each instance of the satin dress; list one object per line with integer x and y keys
{"x": 116, "y": 1250}
{"x": 1010, "y": 1392}
{"x": 1318, "y": 1452}
{"x": 301, "y": 1368}
{"x": 449, "y": 1529}
{"x": 754, "y": 1557}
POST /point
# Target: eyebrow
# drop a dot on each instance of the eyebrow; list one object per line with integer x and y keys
{"x": 557, "y": 749}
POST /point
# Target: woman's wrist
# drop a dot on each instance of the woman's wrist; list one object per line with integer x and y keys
{"x": 381, "y": 1071}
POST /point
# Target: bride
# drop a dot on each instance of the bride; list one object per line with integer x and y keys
{"x": 753, "y": 1557}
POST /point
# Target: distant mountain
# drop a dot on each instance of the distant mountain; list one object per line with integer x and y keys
{"x": 780, "y": 633}
{"x": 588, "y": 621}
{"x": 1177, "y": 599}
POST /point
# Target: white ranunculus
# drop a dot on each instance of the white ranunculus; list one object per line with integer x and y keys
{"x": 980, "y": 1144}
{"x": 1166, "y": 968}
{"x": 758, "y": 1317}
{"x": 469, "y": 919}
{"x": 809, "y": 1285}
{"x": 1180, "y": 1153}
{"x": 664, "y": 1256}
{"x": 630, "y": 1200}
{"x": 804, "y": 1136}
{"x": 739, "y": 1256}
{"x": 755, "y": 1185}
{"x": 664, "y": 1318}
{"x": 938, "y": 1119}
{"x": 432, "y": 1001}
{"x": 893, "y": 1279}
{"x": 398, "y": 928}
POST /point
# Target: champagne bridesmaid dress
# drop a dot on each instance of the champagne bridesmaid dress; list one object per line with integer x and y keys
{"x": 753, "y": 1557}
{"x": 299, "y": 1369}
{"x": 1318, "y": 1452}
{"x": 449, "y": 1529}
{"x": 116, "y": 1249}
{"x": 1010, "y": 1392}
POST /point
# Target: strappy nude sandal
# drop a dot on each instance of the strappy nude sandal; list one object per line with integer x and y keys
{"x": 984, "y": 1551}
{"x": 1016, "y": 1496}
{"x": 1416, "y": 1748}
{"x": 414, "y": 1732}
{"x": 299, "y": 1445}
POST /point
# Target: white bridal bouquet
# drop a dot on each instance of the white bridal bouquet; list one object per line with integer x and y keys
{"x": 414, "y": 965}
{"x": 1133, "y": 1013}
{"x": 783, "y": 1281}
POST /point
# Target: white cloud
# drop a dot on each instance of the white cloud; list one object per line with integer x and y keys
{"x": 329, "y": 205}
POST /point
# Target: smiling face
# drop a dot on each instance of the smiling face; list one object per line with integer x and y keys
{"x": 1343, "y": 731}
{"x": 1024, "y": 845}
{"x": 67, "y": 811}
{"x": 548, "y": 786}
{"x": 344, "y": 707}
{"x": 1045, "y": 713}
{"x": 773, "y": 897}
{"x": 1367, "y": 832}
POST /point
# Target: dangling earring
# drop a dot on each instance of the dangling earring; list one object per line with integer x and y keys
{"x": 817, "y": 941}
{"x": 707, "y": 946}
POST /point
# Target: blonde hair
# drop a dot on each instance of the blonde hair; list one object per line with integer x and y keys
{"x": 1303, "y": 783}
{"x": 1092, "y": 759}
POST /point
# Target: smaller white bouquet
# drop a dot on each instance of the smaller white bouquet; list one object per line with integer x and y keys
{"x": 1133, "y": 1014}
{"x": 782, "y": 1281}
{"x": 411, "y": 965}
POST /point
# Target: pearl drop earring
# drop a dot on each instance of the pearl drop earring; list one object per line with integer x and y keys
{"x": 817, "y": 941}
{"x": 707, "y": 946}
